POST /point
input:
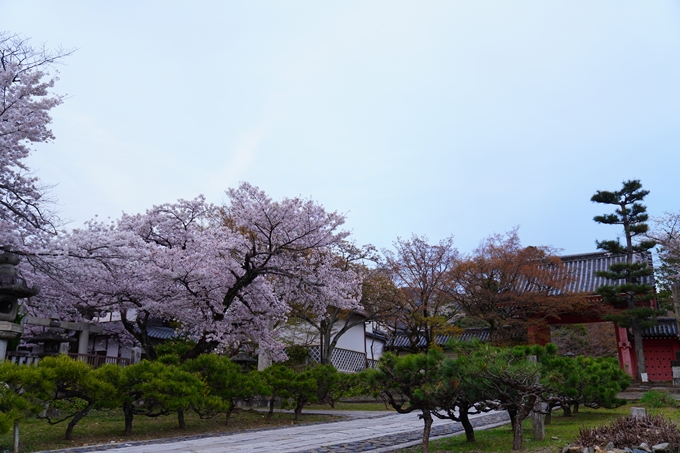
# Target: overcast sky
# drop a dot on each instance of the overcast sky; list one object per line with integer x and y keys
{"x": 430, "y": 117}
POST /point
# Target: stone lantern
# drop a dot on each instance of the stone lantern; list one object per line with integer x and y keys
{"x": 244, "y": 360}
{"x": 12, "y": 288}
{"x": 55, "y": 339}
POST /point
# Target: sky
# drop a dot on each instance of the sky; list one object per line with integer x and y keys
{"x": 433, "y": 118}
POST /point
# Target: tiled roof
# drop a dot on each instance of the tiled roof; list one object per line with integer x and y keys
{"x": 377, "y": 334}
{"x": 664, "y": 328}
{"x": 400, "y": 341}
{"x": 161, "y": 333}
{"x": 583, "y": 267}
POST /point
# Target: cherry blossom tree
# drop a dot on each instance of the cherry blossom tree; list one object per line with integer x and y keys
{"x": 223, "y": 274}
{"x": 26, "y": 80}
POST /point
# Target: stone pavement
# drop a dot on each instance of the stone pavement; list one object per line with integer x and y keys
{"x": 374, "y": 432}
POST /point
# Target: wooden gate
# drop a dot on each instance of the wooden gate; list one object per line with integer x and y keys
{"x": 658, "y": 355}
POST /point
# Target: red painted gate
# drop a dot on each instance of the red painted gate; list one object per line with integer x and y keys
{"x": 658, "y": 355}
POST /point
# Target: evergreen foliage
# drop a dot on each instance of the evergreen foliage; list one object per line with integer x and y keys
{"x": 507, "y": 380}
{"x": 588, "y": 381}
{"x": 226, "y": 384}
{"x": 628, "y": 291}
{"x": 301, "y": 391}
{"x": 21, "y": 393}
{"x": 470, "y": 399}
{"x": 77, "y": 389}
{"x": 414, "y": 383}
{"x": 153, "y": 389}
{"x": 276, "y": 377}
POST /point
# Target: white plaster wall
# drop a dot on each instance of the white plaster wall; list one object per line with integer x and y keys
{"x": 112, "y": 349}
{"x": 126, "y": 352}
{"x": 353, "y": 339}
{"x": 298, "y": 333}
{"x": 374, "y": 348}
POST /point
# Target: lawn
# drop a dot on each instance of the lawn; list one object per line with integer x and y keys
{"x": 560, "y": 432}
{"x": 106, "y": 427}
{"x": 352, "y": 407}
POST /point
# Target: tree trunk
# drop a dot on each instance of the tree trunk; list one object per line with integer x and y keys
{"x": 512, "y": 413}
{"x": 326, "y": 348}
{"x": 180, "y": 419}
{"x": 203, "y": 346}
{"x": 575, "y": 410}
{"x": 566, "y": 408}
{"x": 548, "y": 415}
{"x": 129, "y": 415}
{"x": 427, "y": 420}
{"x": 298, "y": 411}
{"x": 516, "y": 432}
{"x": 76, "y": 418}
{"x": 465, "y": 421}
{"x": 639, "y": 350}
{"x": 229, "y": 412}
{"x": 272, "y": 400}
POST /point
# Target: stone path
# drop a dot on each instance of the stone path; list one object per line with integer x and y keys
{"x": 363, "y": 431}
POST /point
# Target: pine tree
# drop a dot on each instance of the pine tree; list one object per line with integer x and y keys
{"x": 628, "y": 291}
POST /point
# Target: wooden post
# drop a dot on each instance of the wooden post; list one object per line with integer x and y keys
{"x": 3, "y": 349}
{"x": 537, "y": 416}
{"x": 16, "y": 436}
{"x": 623, "y": 347}
{"x": 84, "y": 339}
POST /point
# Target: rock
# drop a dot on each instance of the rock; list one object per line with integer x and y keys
{"x": 645, "y": 447}
{"x": 598, "y": 449}
{"x": 610, "y": 446}
{"x": 638, "y": 412}
{"x": 555, "y": 438}
{"x": 618, "y": 450}
{"x": 661, "y": 447}
{"x": 627, "y": 450}
{"x": 639, "y": 450}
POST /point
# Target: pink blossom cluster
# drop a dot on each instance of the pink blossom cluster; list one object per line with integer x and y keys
{"x": 225, "y": 275}
{"x": 25, "y": 102}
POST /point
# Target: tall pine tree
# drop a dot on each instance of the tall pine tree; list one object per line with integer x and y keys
{"x": 628, "y": 291}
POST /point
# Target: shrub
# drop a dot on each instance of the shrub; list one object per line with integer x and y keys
{"x": 656, "y": 399}
{"x": 631, "y": 432}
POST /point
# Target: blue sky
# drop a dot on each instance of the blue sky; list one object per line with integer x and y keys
{"x": 435, "y": 118}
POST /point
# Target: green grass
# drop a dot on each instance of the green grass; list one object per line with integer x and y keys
{"x": 657, "y": 399}
{"x": 560, "y": 432}
{"x": 352, "y": 407}
{"x": 106, "y": 427}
